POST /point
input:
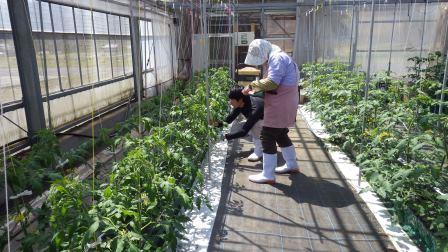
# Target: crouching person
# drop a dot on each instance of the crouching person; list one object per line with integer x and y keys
{"x": 252, "y": 108}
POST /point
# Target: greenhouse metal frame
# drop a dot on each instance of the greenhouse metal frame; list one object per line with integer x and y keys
{"x": 307, "y": 47}
{"x": 67, "y": 64}
{"x": 66, "y": 78}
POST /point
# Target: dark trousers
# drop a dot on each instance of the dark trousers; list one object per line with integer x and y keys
{"x": 272, "y": 136}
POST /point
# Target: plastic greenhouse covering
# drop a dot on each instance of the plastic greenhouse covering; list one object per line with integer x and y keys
{"x": 80, "y": 47}
{"x": 77, "y": 46}
{"x": 400, "y": 31}
{"x": 134, "y": 96}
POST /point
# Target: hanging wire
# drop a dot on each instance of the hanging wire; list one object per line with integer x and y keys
{"x": 211, "y": 37}
{"x": 193, "y": 30}
{"x": 171, "y": 31}
{"x": 391, "y": 40}
{"x": 139, "y": 88}
{"x": 145, "y": 58}
{"x": 223, "y": 47}
{"x": 6, "y": 177}
{"x": 369, "y": 61}
{"x": 84, "y": 43}
{"x": 2, "y": 118}
{"x": 147, "y": 50}
{"x": 139, "y": 205}
{"x": 313, "y": 56}
{"x": 180, "y": 19}
{"x": 367, "y": 82}
{"x": 381, "y": 6}
{"x": 28, "y": 17}
{"x": 410, "y": 24}
{"x": 351, "y": 32}
{"x": 325, "y": 9}
{"x": 67, "y": 64}
{"x": 2, "y": 124}
{"x": 218, "y": 44}
{"x": 338, "y": 30}
{"x": 400, "y": 8}
{"x": 44, "y": 62}
{"x": 204, "y": 37}
{"x": 230, "y": 39}
{"x": 423, "y": 32}
{"x": 92, "y": 106}
{"x": 442, "y": 95}
{"x": 161, "y": 84}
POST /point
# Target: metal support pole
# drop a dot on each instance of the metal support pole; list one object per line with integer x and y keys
{"x": 234, "y": 57}
{"x": 263, "y": 22}
{"x": 206, "y": 49}
{"x": 391, "y": 40}
{"x": 423, "y": 32}
{"x": 136, "y": 61}
{"x": 172, "y": 54}
{"x": 144, "y": 51}
{"x": 154, "y": 50}
{"x": 372, "y": 21}
{"x": 338, "y": 15}
{"x": 366, "y": 87}
{"x": 314, "y": 32}
{"x": 229, "y": 31}
{"x": 313, "y": 60}
{"x": 296, "y": 35}
{"x": 308, "y": 41}
{"x": 355, "y": 41}
{"x": 442, "y": 96}
{"x": 27, "y": 66}
{"x": 351, "y": 32}
{"x": 324, "y": 37}
{"x": 136, "y": 56}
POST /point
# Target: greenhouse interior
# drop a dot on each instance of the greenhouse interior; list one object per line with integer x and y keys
{"x": 224, "y": 125}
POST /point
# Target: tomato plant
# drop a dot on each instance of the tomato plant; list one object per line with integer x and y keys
{"x": 394, "y": 135}
{"x": 141, "y": 206}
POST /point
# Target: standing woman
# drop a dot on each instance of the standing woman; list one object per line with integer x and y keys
{"x": 281, "y": 99}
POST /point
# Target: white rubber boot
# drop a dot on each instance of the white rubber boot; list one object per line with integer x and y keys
{"x": 258, "y": 152}
{"x": 268, "y": 174}
{"x": 289, "y": 155}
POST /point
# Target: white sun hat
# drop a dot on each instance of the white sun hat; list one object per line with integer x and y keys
{"x": 259, "y": 51}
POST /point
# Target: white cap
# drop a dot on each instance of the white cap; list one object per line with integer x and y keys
{"x": 258, "y": 52}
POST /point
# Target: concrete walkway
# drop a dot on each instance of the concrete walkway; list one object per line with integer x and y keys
{"x": 314, "y": 210}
